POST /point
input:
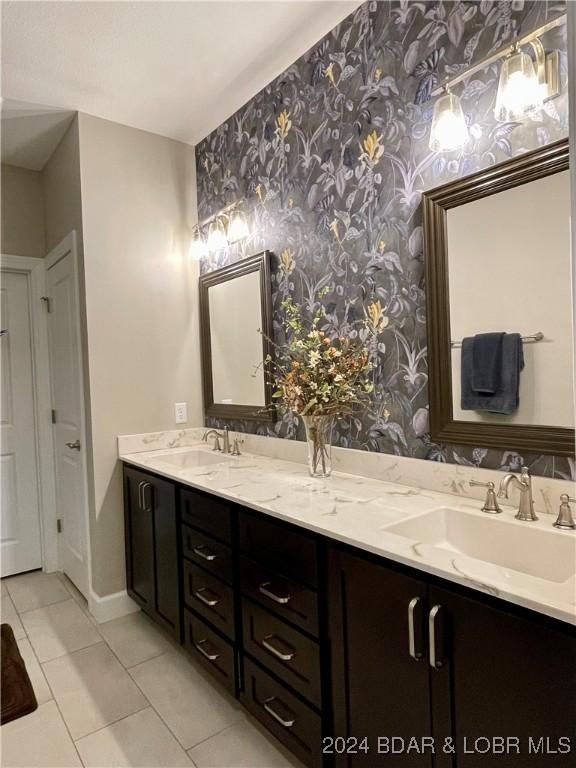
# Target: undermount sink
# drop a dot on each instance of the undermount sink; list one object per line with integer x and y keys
{"x": 545, "y": 554}
{"x": 191, "y": 459}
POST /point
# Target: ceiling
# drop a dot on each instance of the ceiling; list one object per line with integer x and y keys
{"x": 31, "y": 132}
{"x": 178, "y": 69}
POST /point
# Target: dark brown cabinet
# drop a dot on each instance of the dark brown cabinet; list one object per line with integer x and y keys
{"x": 380, "y": 688}
{"x": 347, "y": 658}
{"x": 502, "y": 675}
{"x": 151, "y": 547}
{"x": 418, "y": 662}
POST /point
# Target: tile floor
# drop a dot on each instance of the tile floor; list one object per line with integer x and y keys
{"x": 117, "y": 694}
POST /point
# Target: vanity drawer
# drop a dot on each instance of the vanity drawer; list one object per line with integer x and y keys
{"x": 215, "y": 653}
{"x": 294, "y": 602}
{"x": 207, "y": 513}
{"x": 285, "y": 651}
{"x": 279, "y": 547}
{"x": 207, "y": 552}
{"x": 292, "y": 722}
{"x": 209, "y": 597}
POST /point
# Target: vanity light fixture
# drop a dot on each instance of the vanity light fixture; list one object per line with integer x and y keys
{"x": 520, "y": 90}
{"x": 449, "y": 130}
{"x": 224, "y": 228}
{"x": 198, "y": 249}
{"x": 237, "y": 226}
{"x": 523, "y": 87}
{"x": 216, "y": 236}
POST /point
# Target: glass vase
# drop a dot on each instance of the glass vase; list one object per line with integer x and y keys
{"x": 318, "y": 437}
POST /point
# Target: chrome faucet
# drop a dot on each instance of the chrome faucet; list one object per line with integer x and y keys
{"x": 526, "y": 506}
{"x": 224, "y": 435}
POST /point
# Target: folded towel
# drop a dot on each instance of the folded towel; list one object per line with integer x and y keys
{"x": 486, "y": 362}
{"x": 506, "y": 397}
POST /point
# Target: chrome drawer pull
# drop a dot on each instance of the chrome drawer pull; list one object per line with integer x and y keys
{"x": 436, "y": 634}
{"x": 276, "y": 651}
{"x": 206, "y": 654}
{"x": 211, "y": 602}
{"x": 203, "y": 552}
{"x": 264, "y": 590}
{"x": 415, "y": 632}
{"x": 271, "y": 711}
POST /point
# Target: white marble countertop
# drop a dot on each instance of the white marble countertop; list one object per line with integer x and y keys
{"x": 357, "y": 510}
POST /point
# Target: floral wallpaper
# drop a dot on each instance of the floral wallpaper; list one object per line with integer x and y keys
{"x": 331, "y": 160}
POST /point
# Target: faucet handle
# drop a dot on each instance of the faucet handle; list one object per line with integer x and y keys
{"x": 217, "y": 444}
{"x": 565, "y": 519}
{"x": 236, "y": 447}
{"x": 491, "y": 502}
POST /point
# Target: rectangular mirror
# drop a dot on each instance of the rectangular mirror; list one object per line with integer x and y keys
{"x": 497, "y": 250}
{"x": 235, "y": 319}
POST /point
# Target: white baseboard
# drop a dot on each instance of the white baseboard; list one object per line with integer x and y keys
{"x": 111, "y": 606}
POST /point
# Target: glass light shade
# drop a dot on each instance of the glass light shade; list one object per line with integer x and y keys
{"x": 216, "y": 236}
{"x": 198, "y": 249}
{"x": 519, "y": 91}
{"x": 237, "y": 227}
{"x": 449, "y": 130}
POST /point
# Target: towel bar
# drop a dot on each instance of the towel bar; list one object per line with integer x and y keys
{"x": 532, "y": 339}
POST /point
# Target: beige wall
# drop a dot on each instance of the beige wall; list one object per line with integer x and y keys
{"x": 22, "y": 212}
{"x": 138, "y": 204}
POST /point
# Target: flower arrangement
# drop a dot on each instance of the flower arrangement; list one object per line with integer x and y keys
{"x": 319, "y": 377}
{"x": 314, "y": 374}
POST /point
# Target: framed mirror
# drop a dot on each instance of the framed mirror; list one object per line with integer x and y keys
{"x": 235, "y": 319}
{"x": 497, "y": 253}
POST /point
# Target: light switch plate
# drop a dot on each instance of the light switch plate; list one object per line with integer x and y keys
{"x": 181, "y": 412}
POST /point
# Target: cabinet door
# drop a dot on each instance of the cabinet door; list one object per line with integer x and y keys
{"x": 509, "y": 676}
{"x": 379, "y": 689}
{"x": 160, "y": 496}
{"x": 139, "y": 540}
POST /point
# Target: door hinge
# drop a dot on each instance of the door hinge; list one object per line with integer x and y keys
{"x": 48, "y": 302}
{"x": 53, "y": 415}
{"x": 59, "y": 525}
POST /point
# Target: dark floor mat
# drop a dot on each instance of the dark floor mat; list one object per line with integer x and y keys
{"x": 18, "y": 697}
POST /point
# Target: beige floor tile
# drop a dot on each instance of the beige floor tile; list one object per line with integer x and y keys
{"x": 58, "y": 629}
{"x": 35, "y": 590}
{"x": 140, "y": 740}
{"x": 243, "y": 745}
{"x": 38, "y": 740}
{"x": 189, "y": 703}
{"x": 134, "y": 639}
{"x": 92, "y": 689}
{"x": 9, "y": 616}
{"x": 39, "y": 684}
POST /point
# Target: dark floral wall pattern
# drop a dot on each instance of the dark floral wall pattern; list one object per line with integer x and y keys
{"x": 331, "y": 160}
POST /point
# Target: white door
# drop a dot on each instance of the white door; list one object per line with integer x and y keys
{"x": 21, "y": 546}
{"x": 67, "y": 400}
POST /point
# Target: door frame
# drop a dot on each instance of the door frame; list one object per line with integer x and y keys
{"x": 69, "y": 246}
{"x": 33, "y": 269}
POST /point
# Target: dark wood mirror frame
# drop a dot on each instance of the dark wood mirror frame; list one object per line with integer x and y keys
{"x": 534, "y": 165}
{"x": 257, "y": 263}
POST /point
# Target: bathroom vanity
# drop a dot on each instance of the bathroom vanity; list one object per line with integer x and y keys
{"x": 339, "y": 631}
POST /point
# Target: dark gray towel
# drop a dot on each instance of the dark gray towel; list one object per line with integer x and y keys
{"x": 506, "y": 398}
{"x": 486, "y": 362}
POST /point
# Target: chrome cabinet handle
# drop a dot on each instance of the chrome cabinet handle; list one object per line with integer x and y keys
{"x": 204, "y": 552}
{"x": 264, "y": 590}
{"x": 211, "y": 602}
{"x": 436, "y": 637}
{"x": 415, "y": 628}
{"x": 267, "y": 704}
{"x": 140, "y": 498}
{"x": 271, "y": 648}
{"x": 145, "y": 507}
{"x": 207, "y": 655}
{"x": 75, "y": 446}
